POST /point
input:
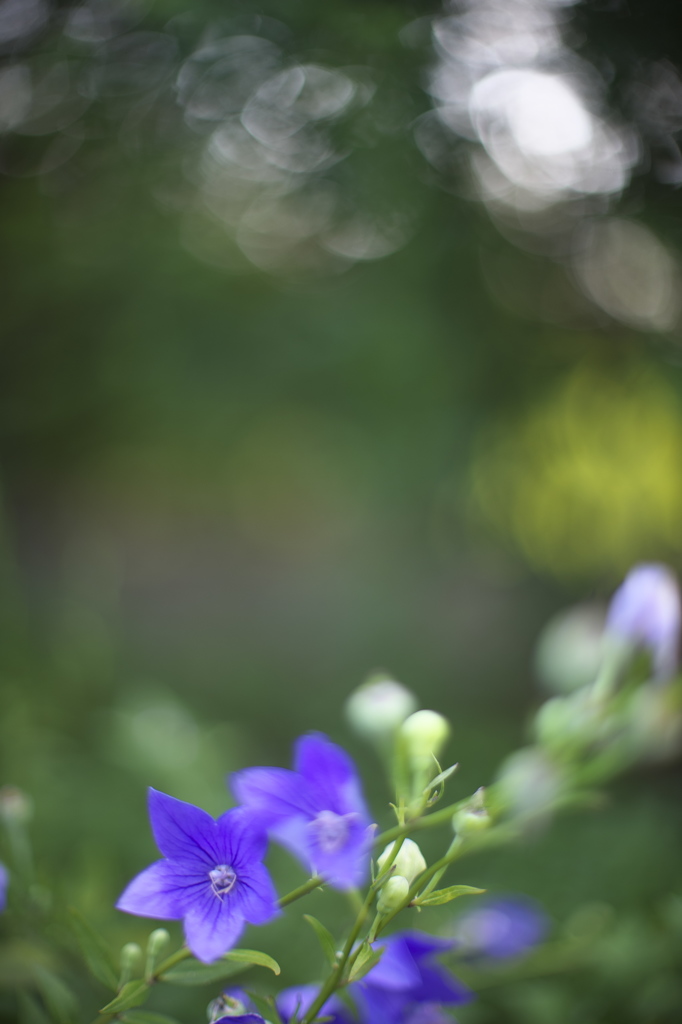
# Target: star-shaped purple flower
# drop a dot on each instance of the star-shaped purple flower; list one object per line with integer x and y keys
{"x": 212, "y": 876}
{"x": 317, "y": 810}
{"x": 295, "y": 1002}
{"x": 407, "y": 985}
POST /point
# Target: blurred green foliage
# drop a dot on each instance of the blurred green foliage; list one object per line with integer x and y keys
{"x": 229, "y": 496}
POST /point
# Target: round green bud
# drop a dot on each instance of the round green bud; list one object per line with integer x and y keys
{"x": 473, "y": 817}
{"x": 393, "y": 894}
{"x": 409, "y": 861}
{"x": 529, "y": 783}
{"x": 157, "y": 941}
{"x": 379, "y": 706}
{"x": 424, "y": 734}
{"x": 570, "y": 649}
{"x": 131, "y": 954}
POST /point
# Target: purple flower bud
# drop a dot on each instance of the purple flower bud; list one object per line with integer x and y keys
{"x": 645, "y": 611}
{"x": 501, "y": 928}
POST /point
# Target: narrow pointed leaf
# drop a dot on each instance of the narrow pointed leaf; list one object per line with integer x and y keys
{"x": 58, "y": 998}
{"x": 194, "y": 972}
{"x": 134, "y": 993}
{"x": 366, "y": 959}
{"x": 266, "y": 1006}
{"x": 434, "y": 899}
{"x": 96, "y": 952}
{"x": 441, "y": 778}
{"x": 146, "y": 1017}
{"x": 324, "y": 936}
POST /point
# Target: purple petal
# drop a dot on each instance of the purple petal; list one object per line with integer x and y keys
{"x": 420, "y": 944}
{"x": 211, "y": 928}
{"x": 255, "y": 895}
{"x": 162, "y": 890}
{"x": 345, "y": 862}
{"x": 242, "y": 838}
{"x": 297, "y": 1000}
{"x": 277, "y": 792}
{"x": 182, "y": 831}
{"x": 397, "y": 971}
{"x": 4, "y": 882}
{"x": 439, "y": 986}
{"x": 331, "y": 775}
{"x": 502, "y": 928}
{"x": 646, "y": 610}
{"x": 378, "y": 1005}
{"x": 245, "y": 1018}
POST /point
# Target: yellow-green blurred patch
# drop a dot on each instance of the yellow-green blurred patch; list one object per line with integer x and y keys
{"x": 590, "y": 478}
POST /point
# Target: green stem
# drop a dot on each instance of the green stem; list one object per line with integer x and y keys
{"x": 417, "y": 824}
{"x": 313, "y": 883}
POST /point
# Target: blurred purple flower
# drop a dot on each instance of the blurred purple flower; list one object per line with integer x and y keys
{"x": 645, "y": 610}
{"x": 407, "y": 986}
{"x": 233, "y": 1007}
{"x": 501, "y": 928}
{"x": 212, "y": 876}
{"x": 4, "y": 882}
{"x": 317, "y": 810}
{"x": 296, "y": 1002}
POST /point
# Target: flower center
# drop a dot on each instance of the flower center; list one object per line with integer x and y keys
{"x": 331, "y": 830}
{"x": 222, "y": 878}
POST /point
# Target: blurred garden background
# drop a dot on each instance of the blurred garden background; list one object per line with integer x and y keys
{"x": 336, "y": 337}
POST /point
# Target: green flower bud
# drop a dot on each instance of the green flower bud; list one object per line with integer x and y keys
{"x": 424, "y": 734}
{"x": 225, "y": 1006}
{"x": 570, "y": 650}
{"x": 379, "y": 706}
{"x": 409, "y": 861}
{"x": 157, "y": 941}
{"x": 473, "y": 817}
{"x": 529, "y": 783}
{"x": 131, "y": 954}
{"x": 392, "y": 895}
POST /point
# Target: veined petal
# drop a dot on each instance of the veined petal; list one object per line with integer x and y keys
{"x": 439, "y": 986}
{"x": 161, "y": 890}
{"x": 211, "y": 928}
{"x": 181, "y": 830}
{"x": 331, "y": 775}
{"x": 296, "y": 1001}
{"x": 242, "y": 837}
{"x": 277, "y": 792}
{"x": 255, "y": 896}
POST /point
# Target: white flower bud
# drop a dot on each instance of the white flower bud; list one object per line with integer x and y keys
{"x": 424, "y": 734}
{"x": 15, "y": 805}
{"x": 379, "y": 706}
{"x": 131, "y": 954}
{"x": 529, "y": 783}
{"x": 473, "y": 817}
{"x": 570, "y": 650}
{"x": 409, "y": 861}
{"x": 392, "y": 895}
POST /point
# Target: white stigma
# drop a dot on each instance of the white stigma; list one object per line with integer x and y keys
{"x": 222, "y": 878}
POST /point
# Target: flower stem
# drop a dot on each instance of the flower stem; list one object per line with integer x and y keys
{"x": 313, "y": 883}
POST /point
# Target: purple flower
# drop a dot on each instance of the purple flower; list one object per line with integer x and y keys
{"x": 317, "y": 810}
{"x": 295, "y": 1002}
{"x": 645, "y": 610}
{"x": 501, "y": 928}
{"x": 212, "y": 876}
{"x": 4, "y": 883}
{"x": 407, "y": 986}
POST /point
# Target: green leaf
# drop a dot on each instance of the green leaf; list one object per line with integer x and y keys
{"x": 266, "y": 1006}
{"x": 59, "y": 1000}
{"x": 366, "y": 959}
{"x": 324, "y": 936}
{"x": 441, "y": 778}
{"x": 96, "y": 952}
{"x": 147, "y": 1017}
{"x": 133, "y": 993}
{"x": 434, "y": 899}
{"x": 194, "y": 972}
{"x": 254, "y": 957}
